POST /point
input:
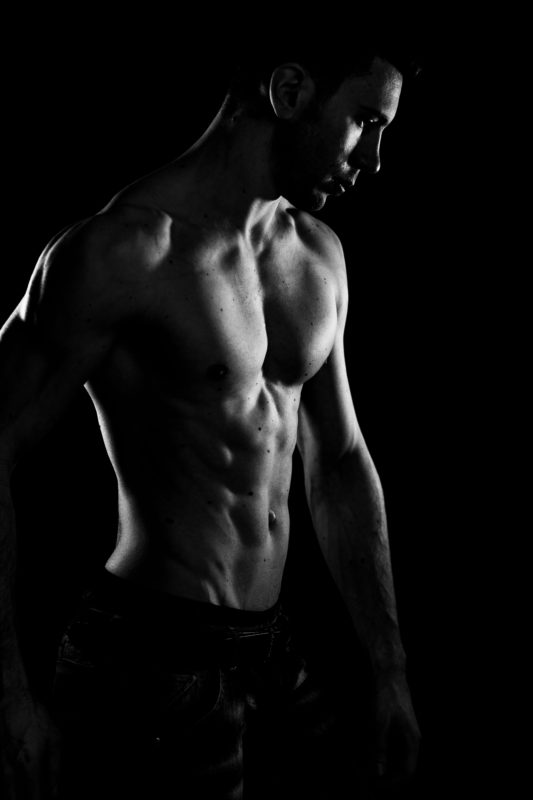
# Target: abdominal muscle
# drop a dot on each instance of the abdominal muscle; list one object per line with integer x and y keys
{"x": 203, "y": 492}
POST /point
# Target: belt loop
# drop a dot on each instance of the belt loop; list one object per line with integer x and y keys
{"x": 233, "y": 651}
{"x": 271, "y": 639}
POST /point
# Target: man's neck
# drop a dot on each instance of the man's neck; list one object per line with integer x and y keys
{"x": 231, "y": 167}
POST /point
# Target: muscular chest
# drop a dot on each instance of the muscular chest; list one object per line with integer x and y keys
{"x": 239, "y": 317}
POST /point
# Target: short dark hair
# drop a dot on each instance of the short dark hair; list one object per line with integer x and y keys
{"x": 328, "y": 63}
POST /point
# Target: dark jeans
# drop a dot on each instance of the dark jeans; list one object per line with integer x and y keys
{"x": 161, "y": 697}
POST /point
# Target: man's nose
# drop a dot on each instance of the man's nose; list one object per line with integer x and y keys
{"x": 371, "y": 163}
{"x": 366, "y": 156}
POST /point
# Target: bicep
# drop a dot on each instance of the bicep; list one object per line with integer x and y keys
{"x": 327, "y": 424}
{"x": 50, "y": 345}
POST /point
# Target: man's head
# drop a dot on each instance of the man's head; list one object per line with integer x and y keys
{"x": 327, "y": 114}
{"x": 321, "y": 142}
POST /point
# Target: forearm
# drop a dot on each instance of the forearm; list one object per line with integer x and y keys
{"x": 348, "y": 512}
{"x": 12, "y": 672}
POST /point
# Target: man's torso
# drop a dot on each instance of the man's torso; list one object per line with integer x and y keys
{"x": 198, "y": 397}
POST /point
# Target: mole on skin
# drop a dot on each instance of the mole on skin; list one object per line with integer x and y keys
{"x": 217, "y": 372}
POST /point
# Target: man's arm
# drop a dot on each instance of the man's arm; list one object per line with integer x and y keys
{"x": 59, "y": 334}
{"x": 348, "y": 511}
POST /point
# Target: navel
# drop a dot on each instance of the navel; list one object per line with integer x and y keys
{"x": 271, "y": 519}
{"x": 217, "y": 372}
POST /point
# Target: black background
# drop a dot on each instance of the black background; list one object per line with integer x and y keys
{"x": 87, "y": 113}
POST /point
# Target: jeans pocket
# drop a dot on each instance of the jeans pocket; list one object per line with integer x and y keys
{"x": 73, "y": 651}
{"x": 186, "y": 700}
{"x": 80, "y": 692}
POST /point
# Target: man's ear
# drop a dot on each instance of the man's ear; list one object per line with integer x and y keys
{"x": 290, "y": 91}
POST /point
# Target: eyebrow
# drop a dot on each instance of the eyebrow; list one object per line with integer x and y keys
{"x": 383, "y": 119}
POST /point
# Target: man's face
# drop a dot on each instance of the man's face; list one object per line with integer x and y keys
{"x": 321, "y": 152}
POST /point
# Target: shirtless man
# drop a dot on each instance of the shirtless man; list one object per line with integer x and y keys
{"x": 204, "y": 308}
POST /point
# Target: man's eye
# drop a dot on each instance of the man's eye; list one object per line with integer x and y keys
{"x": 363, "y": 122}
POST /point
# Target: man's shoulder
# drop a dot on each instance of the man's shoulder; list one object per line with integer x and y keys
{"x": 104, "y": 261}
{"x": 322, "y": 248}
{"x": 317, "y": 236}
{"x": 120, "y": 237}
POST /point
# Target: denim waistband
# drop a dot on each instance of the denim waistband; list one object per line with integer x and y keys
{"x": 115, "y": 595}
{"x": 122, "y": 620}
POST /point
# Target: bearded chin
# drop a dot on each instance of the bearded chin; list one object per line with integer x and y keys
{"x": 310, "y": 200}
{"x": 301, "y": 193}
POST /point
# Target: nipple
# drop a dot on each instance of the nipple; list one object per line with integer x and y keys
{"x": 217, "y": 372}
{"x": 271, "y": 519}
